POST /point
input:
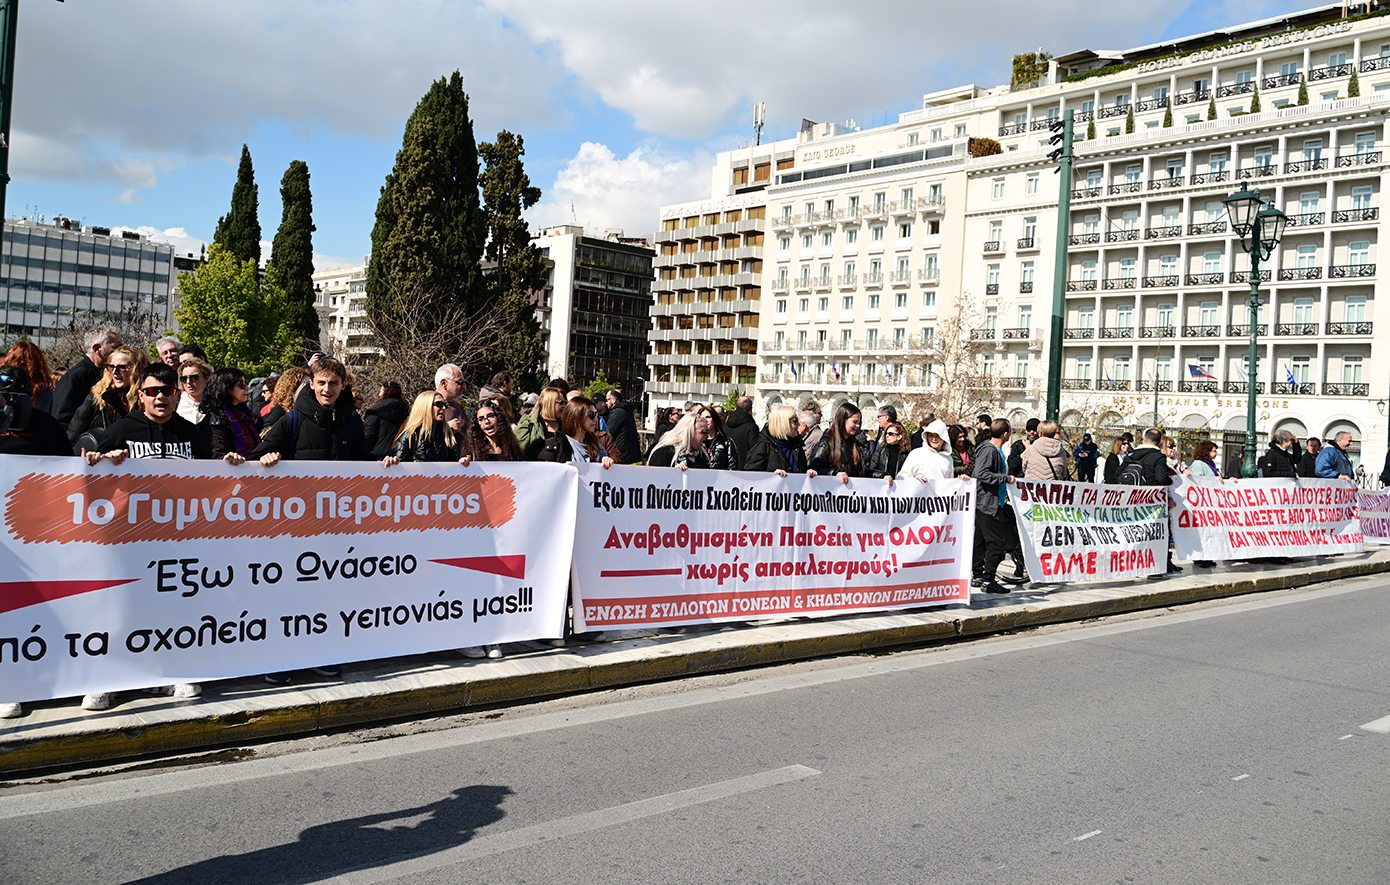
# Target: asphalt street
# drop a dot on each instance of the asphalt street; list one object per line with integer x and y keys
{"x": 1224, "y": 743}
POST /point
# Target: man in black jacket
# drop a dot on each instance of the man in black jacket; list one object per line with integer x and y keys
{"x": 385, "y": 419}
{"x": 1153, "y": 465}
{"x": 1275, "y": 462}
{"x": 740, "y": 427}
{"x": 322, "y": 425}
{"x": 1308, "y": 464}
{"x": 79, "y": 380}
{"x": 157, "y": 431}
{"x": 1030, "y": 436}
{"x": 622, "y": 426}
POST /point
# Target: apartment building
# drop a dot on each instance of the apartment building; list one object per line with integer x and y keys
{"x": 1157, "y": 286}
{"x": 340, "y": 298}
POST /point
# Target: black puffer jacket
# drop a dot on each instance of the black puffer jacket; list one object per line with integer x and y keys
{"x": 383, "y": 420}
{"x": 721, "y": 453}
{"x": 623, "y": 428}
{"x": 766, "y": 454}
{"x": 743, "y": 430}
{"x": 418, "y": 447}
{"x": 325, "y": 433}
{"x": 819, "y": 461}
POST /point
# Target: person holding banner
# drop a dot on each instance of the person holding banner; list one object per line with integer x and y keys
{"x": 841, "y": 451}
{"x": 1333, "y": 462}
{"x": 931, "y": 460}
{"x": 995, "y": 532}
{"x": 489, "y": 437}
{"x": 1119, "y": 450}
{"x": 779, "y": 447}
{"x": 1275, "y": 463}
{"x": 890, "y": 455}
{"x": 1204, "y": 460}
{"x": 579, "y": 442}
{"x": 682, "y": 446}
{"x": 426, "y": 435}
{"x": 230, "y": 423}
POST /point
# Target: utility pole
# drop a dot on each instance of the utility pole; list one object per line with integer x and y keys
{"x": 1061, "y": 131}
{"x": 9, "y": 17}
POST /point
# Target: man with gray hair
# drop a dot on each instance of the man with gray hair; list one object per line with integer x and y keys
{"x": 448, "y": 381}
{"x": 811, "y": 430}
{"x": 1333, "y": 462}
{"x": 168, "y": 349}
{"x": 1275, "y": 463}
{"x": 79, "y": 380}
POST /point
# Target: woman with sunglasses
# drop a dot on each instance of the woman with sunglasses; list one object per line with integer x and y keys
{"x": 720, "y": 451}
{"x": 113, "y": 397}
{"x": 489, "y": 437}
{"x": 229, "y": 418}
{"x": 578, "y": 442}
{"x": 889, "y": 457}
{"x": 426, "y": 435}
{"x": 193, "y": 374}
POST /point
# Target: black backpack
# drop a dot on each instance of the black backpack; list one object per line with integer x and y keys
{"x": 1130, "y": 474}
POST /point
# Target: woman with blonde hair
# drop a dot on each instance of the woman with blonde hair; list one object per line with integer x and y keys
{"x": 682, "y": 446}
{"x": 114, "y": 396}
{"x": 425, "y": 435}
{"x": 541, "y": 424}
{"x": 779, "y": 447}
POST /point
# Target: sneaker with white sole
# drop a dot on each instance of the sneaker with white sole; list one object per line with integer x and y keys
{"x": 473, "y": 651}
{"x": 330, "y": 670}
{"x": 185, "y": 690}
{"x": 97, "y": 700}
{"x": 11, "y": 711}
{"x": 494, "y": 651}
{"x": 554, "y": 643}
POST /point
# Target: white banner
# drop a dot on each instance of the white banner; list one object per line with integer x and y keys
{"x": 1074, "y": 531}
{"x": 1258, "y": 518}
{"x": 657, "y": 547}
{"x": 1375, "y": 516}
{"x": 162, "y": 572}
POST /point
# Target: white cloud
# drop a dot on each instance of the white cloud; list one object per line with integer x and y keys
{"x": 687, "y": 70}
{"x": 334, "y": 262}
{"x": 180, "y": 239}
{"x": 610, "y": 191}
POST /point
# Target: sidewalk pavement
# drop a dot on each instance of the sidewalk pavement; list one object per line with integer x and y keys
{"x": 57, "y": 733}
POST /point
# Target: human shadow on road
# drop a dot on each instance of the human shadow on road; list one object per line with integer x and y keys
{"x": 356, "y": 843}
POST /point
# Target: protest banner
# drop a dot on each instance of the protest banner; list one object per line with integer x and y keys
{"x": 1374, "y": 511}
{"x": 162, "y": 572}
{"x": 662, "y": 547}
{"x": 1072, "y": 531}
{"x": 1260, "y": 518}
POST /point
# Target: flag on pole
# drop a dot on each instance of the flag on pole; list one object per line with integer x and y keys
{"x": 1198, "y": 372}
{"x": 794, "y": 372}
{"x": 1288, "y": 374}
{"x": 835, "y": 370}
{"x": 887, "y": 372}
{"x": 1241, "y": 373}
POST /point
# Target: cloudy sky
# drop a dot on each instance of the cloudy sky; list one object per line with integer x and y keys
{"x": 133, "y": 113}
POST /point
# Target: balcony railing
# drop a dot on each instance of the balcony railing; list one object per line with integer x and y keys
{"x": 1079, "y": 334}
{"x": 1162, "y": 281}
{"x": 1205, "y": 279}
{"x": 931, "y": 203}
{"x": 1330, "y": 389}
{"x": 1121, "y": 236}
{"x": 1116, "y": 332}
{"x": 1015, "y": 129}
{"x": 993, "y": 246}
{"x": 1025, "y": 287}
{"x": 1299, "y": 273}
{"x": 1037, "y": 125}
{"x": 1350, "y": 271}
{"x": 1013, "y": 381}
{"x": 1198, "y": 387}
{"x": 1192, "y": 97}
{"x": 1242, "y": 387}
{"x": 1149, "y": 104}
{"x": 1279, "y": 80}
{"x": 1374, "y": 64}
{"x": 1295, "y": 328}
{"x": 982, "y": 334}
{"x": 991, "y": 288}
{"x": 873, "y": 279}
{"x": 1342, "y": 216}
{"x": 1296, "y": 388}
{"x": 1360, "y": 158}
{"x": 928, "y": 275}
{"x": 1329, "y": 72}
{"x": 1085, "y": 193}
{"x": 1305, "y": 165}
{"x": 1122, "y": 283}
{"x": 1145, "y": 384}
{"x": 1158, "y": 233}
{"x": 1243, "y": 331}
{"x": 1110, "y": 384}
{"x": 1243, "y": 276}
{"x": 1081, "y": 285}
{"x": 1213, "y": 177}
{"x": 1158, "y": 331}
{"x": 1025, "y": 243}
{"x": 1114, "y": 110}
{"x": 1126, "y": 187}
{"x": 1076, "y": 383}
{"x": 1349, "y": 328}
{"x": 1018, "y": 333}
{"x": 1207, "y": 227}
{"x": 1235, "y": 89}
{"x": 1157, "y": 184}
{"x": 1201, "y": 331}
{"x": 1262, "y": 170}
{"x": 847, "y": 280}
{"x": 1083, "y": 239}
{"x": 1306, "y": 219}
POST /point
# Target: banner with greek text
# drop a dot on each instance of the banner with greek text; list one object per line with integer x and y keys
{"x": 1258, "y": 518}
{"x": 656, "y": 547}
{"x": 1074, "y": 531}
{"x": 1375, "y": 516}
{"x": 161, "y": 572}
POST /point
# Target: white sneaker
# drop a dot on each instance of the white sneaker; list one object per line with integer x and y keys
{"x": 473, "y": 651}
{"x": 186, "y": 690}
{"x": 11, "y": 711}
{"x": 555, "y": 643}
{"x": 97, "y": 700}
{"x": 494, "y": 651}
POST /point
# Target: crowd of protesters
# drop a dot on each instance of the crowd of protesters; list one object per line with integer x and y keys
{"x": 115, "y": 403}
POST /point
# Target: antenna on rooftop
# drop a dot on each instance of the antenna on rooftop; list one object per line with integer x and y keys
{"x": 759, "y": 118}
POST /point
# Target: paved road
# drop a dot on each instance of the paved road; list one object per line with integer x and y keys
{"x": 1221, "y": 744}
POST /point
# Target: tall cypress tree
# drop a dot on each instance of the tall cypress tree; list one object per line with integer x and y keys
{"x": 239, "y": 231}
{"x": 429, "y": 230}
{"x": 520, "y": 268}
{"x": 292, "y": 255}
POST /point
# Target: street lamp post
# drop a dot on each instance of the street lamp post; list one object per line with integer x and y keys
{"x": 1260, "y": 227}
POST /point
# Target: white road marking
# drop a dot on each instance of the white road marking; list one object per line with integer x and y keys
{"x": 1086, "y": 836}
{"x": 485, "y": 846}
{"x": 80, "y": 794}
{"x": 1240, "y": 777}
{"x": 1380, "y": 726}
{"x": 1345, "y": 736}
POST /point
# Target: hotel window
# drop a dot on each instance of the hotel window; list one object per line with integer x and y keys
{"x": 875, "y": 271}
{"x": 782, "y": 281}
{"x": 1021, "y": 118}
{"x": 1209, "y": 314}
{"x": 1351, "y": 369}
{"x": 803, "y": 306}
{"x": 913, "y": 138}
{"x": 1207, "y": 364}
{"x": 782, "y": 305}
{"x": 1218, "y": 161}
{"x": 801, "y": 340}
{"x": 1168, "y": 265}
{"x": 1211, "y": 262}
{"x": 905, "y": 198}
{"x": 1300, "y": 367}
{"x": 904, "y": 270}
{"x": 822, "y": 307}
{"x": 998, "y": 193}
{"x": 1088, "y": 106}
{"x": 1025, "y": 316}
{"x": 936, "y": 135}
{"x": 825, "y": 277}
{"x": 1174, "y": 168}
{"x": 806, "y": 241}
{"x": 1090, "y": 224}
{"x": 1312, "y": 149}
{"x": 1122, "y": 368}
{"x": 874, "y": 299}
{"x": 1201, "y": 84}
{"x": 805, "y": 276}
{"x": 827, "y": 238}
{"x": 741, "y": 175}
{"x": 1361, "y": 197}
{"x": 1030, "y": 184}
{"x": 1365, "y": 142}
{"x": 1215, "y": 211}
{"x": 1356, "y": 309}
{"x": 1328, "y": 96}
{"x": 1086, "y": 318}
{"x": 1164, "y": 316}
{"x": 1021, "y": 366}
{"x": 778, "y": 339}
{"x": 1164, "y": 369}
{"x": 880, "y": 202}
{"x": 1124, "y": 316}
{"x": 992, "y": 275}
{"x": 1308, "y": 201}
{"x": 1127, "y": 268}
{"x": 1088, "y": 271}
{"x": 900, "y": 300}
{"x": 899, "y": 337}
{"x": 1134, "y": 173}
{"x": 1303, "y": 310}
{"x": 1193, "y": 118}
{"x": 934, "y": 191}
{"x": 1093, "y": 179}
{"x": 1359, "y": 253}
{"x": 1172, "y": 215}
{"x": 1307, "y": 256}
{"x": 784, "y": 244}
{"x": 853, "y": 207}
{"x": 929, "y": 298}
{"x": 960, "y": 130}
{"x": 1083, "y": 368}
{"x": 876, "y": 234}
{"x": 846, "y": 336}
{"x": 1030, "y": 227}
{"x": 847, "y": 304}
{"x": 786, "y": 214}
{"x": 1129, "y": 220}
{"x": 933, "y": 268}
{"x": 996, "y": 232}
{"x": 905, "y": 230}
{"x": 1025, "y": 272}
{"x": 1054, "y": 113}
{"x": 810, "y": 210}
{"x": 1245, "y": 76}
{"x": 1161, "y": 94}
{"x": 852, "y": 236}
{"x": 1122, "y": 100}
{"x": 1289, "y": 69}
{"x": 991, "y": 318}
{"x": 849, "y": 271}
{"x": 1336, "y": 59}
{"x": 1264, "y": 157}
{"x": 829, "y": 208}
